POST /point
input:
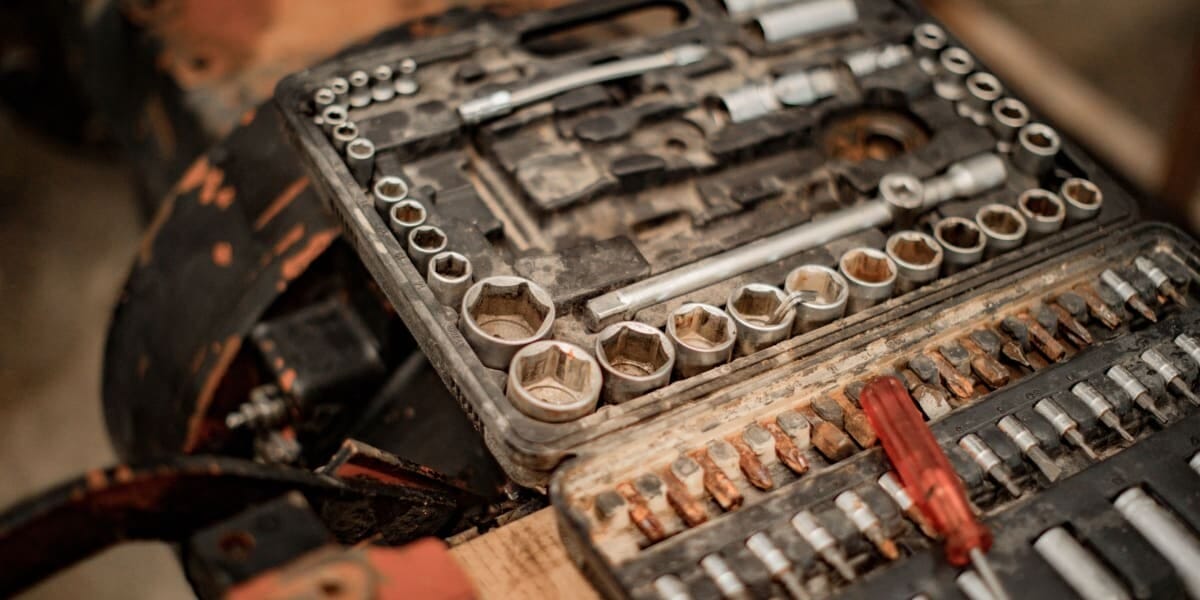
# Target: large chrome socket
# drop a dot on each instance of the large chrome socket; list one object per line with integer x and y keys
{"x": 554, "y": 381}
{"x": 1083, "y": 199}
{"x": 1036, "y": 148}
{"x": 500, "y": 315}
{"x": 424, "y": 243}
{"x": 1003, "y": 226}
{"x": 1043, "y": 210}
{"x": 962, "y": 241}
{"x": 832, "y": 290}
{"x": 871, "y": 276}
{"x": 388, "y": 192}
{"x": 635, "y": 359}
{"x": 703, "y": 336}
{"x": 449, "y": 277}
{"x": 404, "y": 217}
{"x": 918, "y": 259}
{"x": 754, "y": 308}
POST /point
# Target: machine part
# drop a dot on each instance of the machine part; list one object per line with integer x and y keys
{"x": 333, "y": 116}
{"x": 340, "y": 87}
{"x": 877, "y": 134}
{"x": 703, "y": 336}
{"x": 635, "y": 359}
{"x": 1101, "y": 407}
{"x": 819, "y": 538}
{"x": 987, "y": 460}
{"x": 726, "y": 580}
{"x": 1036, "y": 149}
{"x": 802, "y": 19}
{"x": 1043, "y": 211}
{"x": 1170, "y": 374}
{"x": 905, "y": 194}
{"x": 867, "y": 523}
{"x": 805, "y": 88}
{"x": 1079, "y": 567}
{"x": 360, "y": 158}
{"x": 1164, "y": 531}
{"x": 777, "y": 564}
{"x": 929, "y": 40}
{"x": 1003, "y": 226}
{"x": 1190, "y": 346}
{"x": 1129, "y": 294}
{"x": 1136, "y": 392}
{"x": 1064, "y": 425}
{"x": 343, "y": 134}
{"x": 267, "y": 408}
{"x": 918, "y": 259}
{"x": 1161, "y": 282}
{"x": 1009, "y": 116}
{"x": 405, "y": 216}
{"x": 871, "y": 276}
{"x": 873, "y": 60}
{"x": 406, "y": 86}
{"x": 502, "y": 102}
{"x": 554, "y": 381}
{"x": 749, "y": 102}
{"x": 502, "y": 314}
{"x": 381, "y": 88}
{"x": 1084, "y": 199}
{"x": 895, "y": 490}
{"x": 973, "y": 587}
{"x": 1194, "y": 463}
{"x": 832, "y": 290}
{"x": 388, "y": 192}
{"x": 962, "y": 241}
{"x": 982, "y": 90}
{"x": 742, "y": 8}
{"x": 762, "y": 314}
{"x": 1097, "y": 307}
{"x": 669, "y": 587}
{"x": 1028, "y": 444}
{"x": 323, "y": 97}
{"x": 963, "y": 179}
{"x": 954, "y": 65}
{"x": 449, "y": 277}
{"x": 425, "y": 242}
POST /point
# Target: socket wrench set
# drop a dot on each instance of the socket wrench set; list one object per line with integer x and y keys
{"x": 673, "y": 238}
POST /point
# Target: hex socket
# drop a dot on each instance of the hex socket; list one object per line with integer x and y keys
{"x": 343, "y": 134}
{"x": 1036, "y": 149}
{"x": 1043, "y": 210}
{"x": 703, "y": 336}
{"x": 635, "y": 359}
{"x": 928, "y": 40}
{"x": 752, "y": 307}
{"x": 918, "y": 259}
{"x": 554, "y": 381}
{"x": 832, "y": 290}
{"x": 449, "y": 277}
{"x": 983, "y": 89}
{"x": 360, "y": 158}
{"x": 333, "y": 116}
{"x": 388, "y": 191}
{"x": 1009, "y": 115}
{"x": 954, "y": 64}
{"x": 502, "y": 314}
{"x": 962, "y": 241}
{"x": 905, "y": 197}
{"x": 870, "y": 275}
{"x": 404, "y": 217}
{"x": 1083, "y": 199}
{"x": 424, "y": 243}
{"x": 1003, "y": 226}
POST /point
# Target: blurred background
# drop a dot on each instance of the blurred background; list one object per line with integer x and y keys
{"x": 103, "y": 104}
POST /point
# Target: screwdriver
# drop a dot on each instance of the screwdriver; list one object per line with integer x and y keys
{"x": 926, "y": 473}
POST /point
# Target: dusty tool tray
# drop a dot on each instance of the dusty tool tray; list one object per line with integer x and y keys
{"x": 608, "y": 184}
{"x": 623, "y": 562}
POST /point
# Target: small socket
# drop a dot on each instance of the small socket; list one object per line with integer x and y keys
{"x": 871, "y": 276}
{"x": 1083, "y": 199}
{"x": 323, "y": 97}
{"x": 389, "y": 191}
{"x": 424, "y": 243}
{"x": 449, "y": 277}
{"x": 918, "y": 259}
{"x": 929, "y": 40}
{"x": 554, "y": 381}
{"x": 1037, "y": 147}
{"x": 703, "y": 336}
{"x": 1009, "y": 115}
{"x": 754, "y": 307}
{"x": 343, "y": 134}
{"x": 502, "y": 314}
{"x": 404, "y": 217}
{"x": 833, "y": 292}
{"x": 1043, "y": 210}
{"x": 983, "y": 89}
{"x": 954, "y": 64}
{"x": 635, "y": 358}
{"x": 360, "y": 158}
{"x": 963, "y": 242}
{"x": 334, "y": 115}
{"x": 1003, "y": 226}
{"x": 905, "y": 197}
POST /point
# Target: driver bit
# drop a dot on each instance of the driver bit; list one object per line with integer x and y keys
{"x": 1045, "y": 341}
{"x": 1064, "y": 425}
{"x": 1128, "y": 294}
{"x": 786, "y": 450}
{"x": 895, "y": 490}
{"x": 867, "y": 523}
{"x": 987, "y": 460}
{"x": 820, "y": 539}
{"x": 778, "y": 565}
{"x": 1170, "y": 373}
{"x": 1028, "y": 443}
{"x": 1098, "y": 307}
{"x": 1070, "y": 326}
{"x": 643, "y": 518}
{"x": 1100, "y": 406}
{"x": 1136, "y": 392}
{"x": 1159, "y": 279}
{"x": 726, "y": 580}
{"x": 718, "y": 484}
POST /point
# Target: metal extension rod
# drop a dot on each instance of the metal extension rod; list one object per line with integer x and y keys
{"x": 962, "y": 179}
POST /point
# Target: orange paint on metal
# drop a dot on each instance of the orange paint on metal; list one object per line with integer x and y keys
{"x": 212, "y": 183}
{"x": 159, "y": 123}
{"x": 294, "y": 265}
{"x": 193, "y": 177}
{"x": 96, "y": 479}
{"x": 207, "y": 389}
{"x": 292, "y": 236}
{"x": 247, "y": 117}
{"x": 225, "y": 197}
{"x": 222, "y": 254}
{"x": 146, "y": 247}
{"x": 123, "y": 474}
{"x": 278, "y": 362}
{"x": 280, "y": 202}
{"x": 287, "y": 379}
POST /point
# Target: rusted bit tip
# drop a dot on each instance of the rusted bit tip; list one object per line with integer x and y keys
{"x": 887, "y": 548}
{"x": 643, "y": 518}
{"x": 1144, "y": 309}
{"x": 718, "y": 484}
{"x": 988, "y": 369}
{"x": 1068, "y": 323}
{"x": 1172, "y": 292}
{"x": 752, "y": 468}
{"x": 688, "y": 508}
{"x": 958, "y": 384}
{"x": 860, "y": 428}
{"x": 832, "y": 442}
{"x": 787, "y": 451}
{"x": 1097, "y": 307}
{"x": 1043, "y": 340}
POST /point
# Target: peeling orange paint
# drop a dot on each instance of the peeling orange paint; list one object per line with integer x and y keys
{"x": 123, "y": 474}
{"x": 292, "y": 236}
{"x": 222, "y": 254}
{"x": 96, "y": 479}
{"x": 146, "y": 248}
{"x": 280, "y": 202}
{"x": 212, "y": 182}
{"x": 207, "y": 389}
{"x": 198, "y": 360}
{"x": 160, "y": 126}
{"x": 225, "y": 197}
{"x": 247, "y": 117}
{"x": 294, "y": 265}
{"x": 193, "y": 177}
{"x": 287, "y": 379}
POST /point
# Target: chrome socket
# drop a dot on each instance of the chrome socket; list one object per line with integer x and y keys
{"x": 703, "y": 336}
{"x": 905, "y": 197}
{"x": 360, "y": 91}
{"x": 554, "y": 381}
{"x": 754, "y": 308}
{"x": 1043, "y": 210}
{"x": 963, "y": 242}
{"x": 502, "y": 314}
{"x": 424, "y": 243}
{"x": 1009, "y": 115}
{"x": 381, "y": 89}
{"x": 332, "y": 116}
{"x": 918, "y": 259}
{"x": 929, "y": 40}
{"x": 833, "y": 292}
{"x": 404, "y": 217}
{"x": 635, "y": 359}
{"x": 340, "y": 88}
{"x": 360, "y": 158}
{"x": 323, "y": 97}
{"x": 871, "y": 276}
{"x": 1083, "y": 199}
{"x": 1003, "y": 226}
{"x": 388, "y": 192}
{"x": 982, "y": 90}
{"x": 449, "y": 277}
{"x": 806, "y": 18}
{"x": 343, "y": 134}
{"x": 1036, "y": 148}
{"x": 954, "y": 65}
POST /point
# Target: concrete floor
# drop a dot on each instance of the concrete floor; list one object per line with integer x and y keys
{"x": 69, "y": 227}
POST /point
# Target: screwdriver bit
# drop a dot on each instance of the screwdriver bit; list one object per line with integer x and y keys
{"x": 1028, "y": 443}
{"x": 780, "y": 568}
{"x": 1170, "y": 373}
{"x": 1100, "y": 406}
{"x": 1064, "y": 425}
{"x": 987, "y": 460}
{"x": 1159, "y": 279}
{"x": 1128, "y": 294}
{"x": 820, "y": 539}
{"x": 1136, "y": 392}
{"x": 1098, "y": 307}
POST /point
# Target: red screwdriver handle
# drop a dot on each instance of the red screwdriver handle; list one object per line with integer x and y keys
{"x": 923, "y": 468}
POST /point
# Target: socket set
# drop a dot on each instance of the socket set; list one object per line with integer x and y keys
{"x": 592, "y": 217}
{"x": 1063, "y": 395}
